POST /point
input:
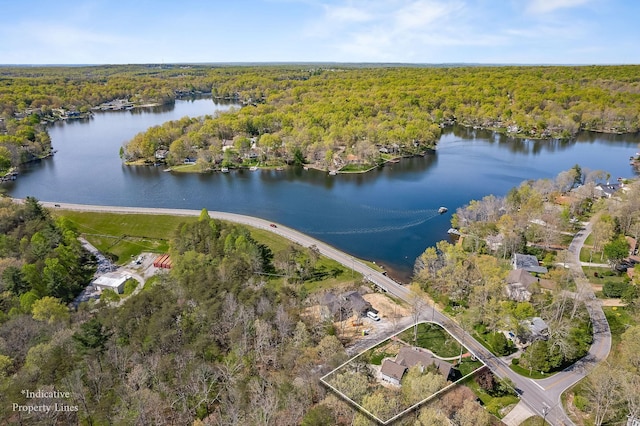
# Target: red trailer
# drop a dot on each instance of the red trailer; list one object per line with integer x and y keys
{"x": 158, "y": 262}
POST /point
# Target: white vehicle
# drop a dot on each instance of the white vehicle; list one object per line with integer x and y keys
{"x": 373, "y": 316}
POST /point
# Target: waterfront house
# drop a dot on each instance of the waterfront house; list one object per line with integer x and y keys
{"x": 607, "y": 190}
{"x": 161, "y": 154}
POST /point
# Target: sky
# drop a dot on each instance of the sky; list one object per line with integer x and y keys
{"x": 396, "y": 31}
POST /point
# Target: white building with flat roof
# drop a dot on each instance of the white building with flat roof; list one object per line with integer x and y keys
{"x": 112, "y": 280}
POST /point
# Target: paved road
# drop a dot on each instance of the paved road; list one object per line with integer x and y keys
{"x": 542, "y": 396}
{"x": 601, "y": 345}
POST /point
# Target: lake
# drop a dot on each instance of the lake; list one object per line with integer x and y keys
{"x": 388, "y": 215}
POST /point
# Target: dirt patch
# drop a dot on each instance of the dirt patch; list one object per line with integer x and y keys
{"x": 387, "y": 308}
{"x": 613, "y": 302}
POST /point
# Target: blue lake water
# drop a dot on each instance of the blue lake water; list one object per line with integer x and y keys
{"x": 387, "y": 215}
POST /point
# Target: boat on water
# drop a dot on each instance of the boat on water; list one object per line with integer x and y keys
{"x": 224, "y": 170}
{"x": 279, "y": 169}
{"x": 453, "y": 231}
{"x": 442, "y": 210}
{"x": 253, "y": 168}
{"x": 333, "y": 173}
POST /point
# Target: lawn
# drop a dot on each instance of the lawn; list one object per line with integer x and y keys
{"x": 619, "y": 320}
{"x": 125, "y": 235}
{"x": 533, "y": 375}
{"x": 585, "y": 256}
{"x": 534, "y": 421}
{"x": 604, "y": 275}
{"x": 187, "y": 168}
{"x": 468, "y": 366}
{"x": 357, "y": 168}
{"x": 434, "y": 338}
{"x": 329, "y": 273}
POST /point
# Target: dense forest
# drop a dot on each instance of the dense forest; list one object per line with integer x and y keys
{"x": 21, "y": 141}
{"x": 209, "y": 341}
{"x": 332, "y": 116}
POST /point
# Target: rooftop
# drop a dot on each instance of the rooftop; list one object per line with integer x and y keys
{"x": 393, "y": 369}
{"x": 528, "y": 262}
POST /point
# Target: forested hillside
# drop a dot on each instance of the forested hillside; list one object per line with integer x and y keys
{"x": 213, "y": 340}
{"x": 333, "y": 117}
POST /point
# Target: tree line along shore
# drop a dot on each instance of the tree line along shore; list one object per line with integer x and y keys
{"x": 330, "y": 116}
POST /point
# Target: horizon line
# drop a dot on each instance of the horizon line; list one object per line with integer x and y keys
{"x": 266, "y": 63}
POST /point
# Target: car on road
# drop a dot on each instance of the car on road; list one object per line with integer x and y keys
{"x": 273, "y": 225}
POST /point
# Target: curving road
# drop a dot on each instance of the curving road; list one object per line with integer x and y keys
{"x": 542, "y": 396}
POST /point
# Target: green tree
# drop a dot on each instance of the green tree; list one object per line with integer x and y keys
{"x": 49, "y": 309}
{"x": 27, "y": 300}
{"x": 92, "y": 337}
{"x": 617, "y": 250}
{"x": 5, "y": 365}
{"x": 298, "y": 157}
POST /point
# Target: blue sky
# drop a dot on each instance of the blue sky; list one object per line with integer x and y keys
{"x": 411, "y": 31}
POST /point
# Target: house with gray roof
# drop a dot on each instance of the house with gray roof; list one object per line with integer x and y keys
{"x": 410, "y": 357}
{"x": 527, "y": 262}
{"x": 521, "y": 285}
{"x": 392, "y": 372}
{"x": 345, "y": 305}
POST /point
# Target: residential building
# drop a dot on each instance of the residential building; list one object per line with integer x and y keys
{"x": 392, "y": 372}
{"x": 521, "y": 285}
{"x": 527, "y": 262}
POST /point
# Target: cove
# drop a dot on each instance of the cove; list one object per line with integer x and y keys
{"x": 388, "y": 215}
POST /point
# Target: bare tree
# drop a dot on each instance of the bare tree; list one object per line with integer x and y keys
{"x": 264, "y": 401}
{"x": 418, "y": 304}
{"x": 603, "y": 391}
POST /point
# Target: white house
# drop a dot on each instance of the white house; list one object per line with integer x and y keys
{"x": 112, "y": 281}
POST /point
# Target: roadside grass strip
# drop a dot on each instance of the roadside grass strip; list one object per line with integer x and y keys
{"x": 354, "y": 363}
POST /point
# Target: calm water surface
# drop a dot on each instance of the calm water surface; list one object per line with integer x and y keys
{"x": 388, "y": 215}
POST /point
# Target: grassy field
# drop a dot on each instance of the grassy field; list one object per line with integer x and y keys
{"x": 619, "y": 320}
{"x": 124, "y": 236}
{"x": 585, "y": 256}
{"x": 603, "y": 276}
{"x": 434, "y": 338}
{"x": 533, "y": 375}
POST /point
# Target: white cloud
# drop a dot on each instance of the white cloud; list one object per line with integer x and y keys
{"x": 421, "y": 13}
{"x": 346, "y": 14}
{"x": 391, "y": 30}
{"x": 548, "y": 6}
